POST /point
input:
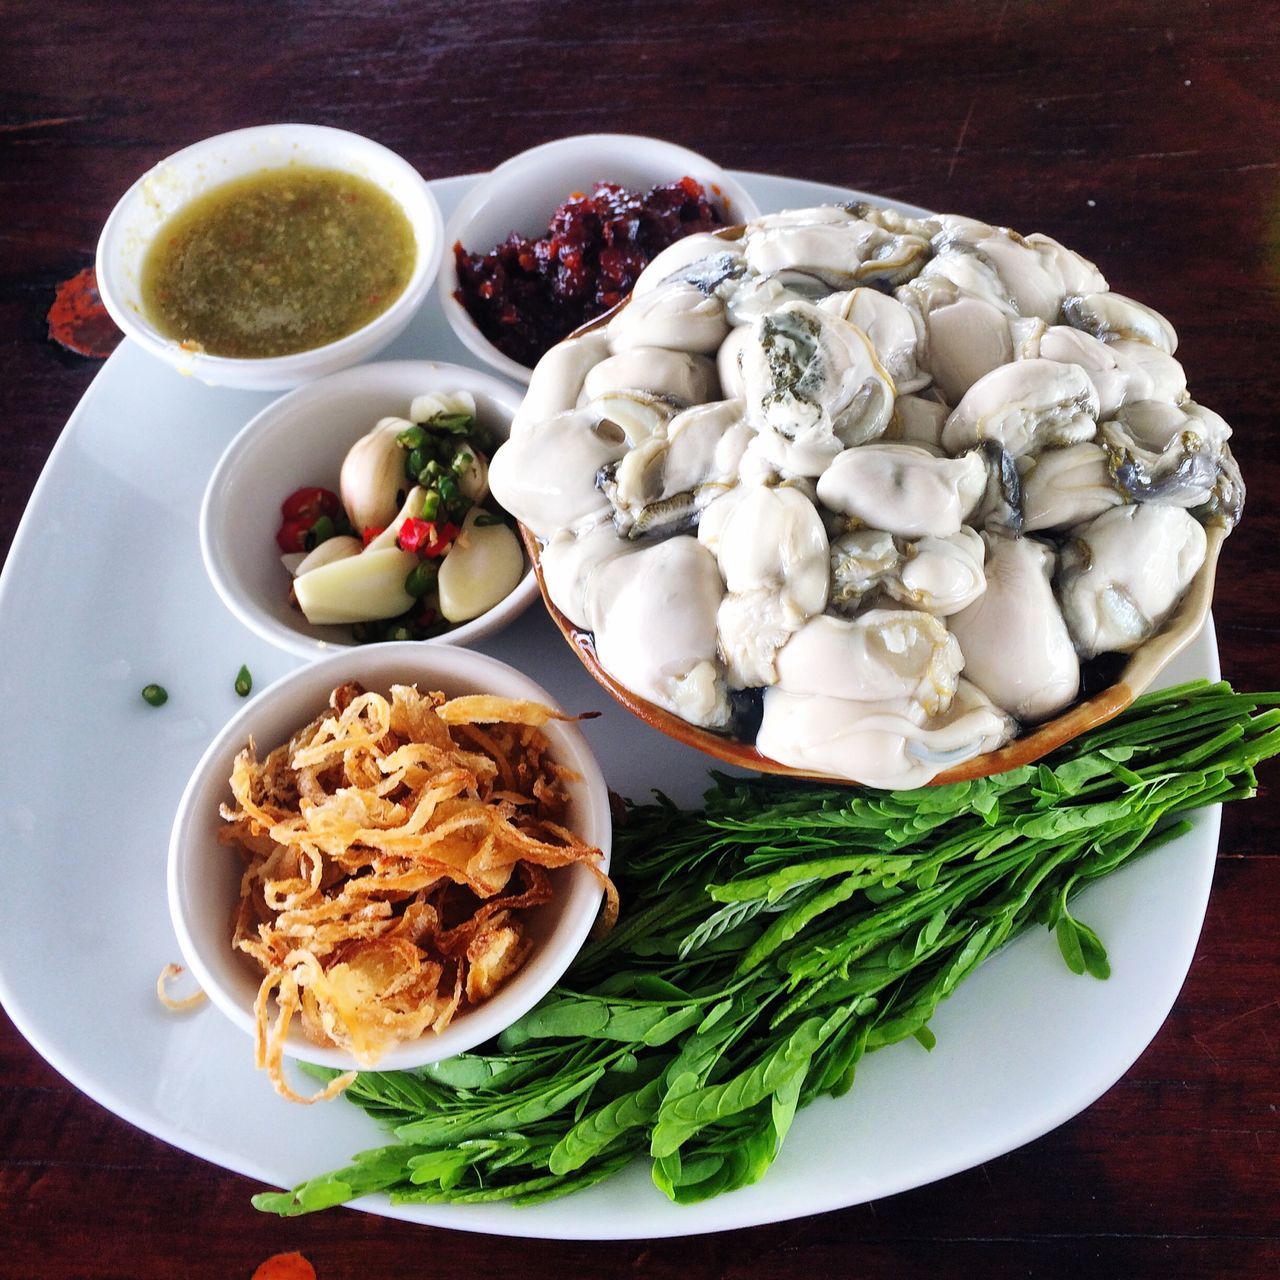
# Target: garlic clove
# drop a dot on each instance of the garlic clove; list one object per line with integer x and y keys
{"x": 412, "y": 509}
{"x": 482, "y": 568}
{"x": 363, "y": 588}
{"x": 431, "y": 403}
{"x": 331, "y": 549}
{"x": 473, "y": 482}
{"x": 372, "y": 476}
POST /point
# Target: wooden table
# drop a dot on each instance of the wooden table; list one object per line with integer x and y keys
{"x": 1143, "y": 134}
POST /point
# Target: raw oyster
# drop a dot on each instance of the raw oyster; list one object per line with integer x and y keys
{"x": 1066, "y": 487}
{"x": 1176, "y": 454}
{"x": 889, "y": 326}
{"x": 961, "y": 336}
{"x": 813, "y": 383}
{"x": 940, "y": 575}
{"x": 937, "y": 575}
{"x": 918, "y": 420}
{"x": 1015, "y": 643}
{"x": 660, "y": 484}
{"x": 729, "y": 363}
{"x": 678, "y": 376}
{"x": 880, "y": 744}
{"x": 556, "y": 381}
{"x": 1122, "y": 574}
{"x": 904, "y": 488}
{"x": 840, "y": 253}
{"x": 546, "y": 475}
{"x": 1079, "y": 275}
{"x": 1111, "y": 315}
{"x": 879, "y": 655}
{"x": 1024, "y": 407}
{"x": 752, "y": 626}
{"x": 774, "y": 539}
{"x": 654, "y": 617}
{"x": 1001, "y": 508}
{"x": 1120, "y": 371}
{"x": 638, "y": 415}
{"x": 861, "y": 561}
{"x": 702, "y": 256}
{"x": 568, "y": 561}
{"x": 676, "y": 316}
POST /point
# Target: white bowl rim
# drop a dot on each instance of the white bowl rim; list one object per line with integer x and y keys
{"x": 421, "y": 373}
{"x": 378, "y": 666}
{"x": 299, "y": 366}
{"x": 731, "y": 193}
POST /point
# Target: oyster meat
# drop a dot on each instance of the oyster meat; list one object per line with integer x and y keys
{"x": 886, "y": 479}
{"x": 1016, "y": 646}
{"x": 1122, "y": 574}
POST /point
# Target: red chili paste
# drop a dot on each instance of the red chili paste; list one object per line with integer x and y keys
{"x": 79, "y": 321}
{"x": 525, "y": 295}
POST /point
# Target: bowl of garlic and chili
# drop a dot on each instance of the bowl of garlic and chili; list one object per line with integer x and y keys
{"x": 321, "y": 479}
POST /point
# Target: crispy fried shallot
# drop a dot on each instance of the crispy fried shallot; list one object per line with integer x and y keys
{"x": 391, "y": 849}
{"x": 176, "y": 1004}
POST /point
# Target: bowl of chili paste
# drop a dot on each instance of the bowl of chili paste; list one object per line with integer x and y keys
{"x": 557, "y": 235}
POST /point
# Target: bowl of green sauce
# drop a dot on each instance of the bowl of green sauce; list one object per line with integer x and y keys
{"x": 267, "y": 257}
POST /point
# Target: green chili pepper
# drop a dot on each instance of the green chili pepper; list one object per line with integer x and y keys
{"x": 155, "y": 695}
{"x": 321, "y": 531}
{"x": 244, "y": 682}
{"x": 422, "y": 579}
{"x": 416, "y": 462}
{"x": 412, "y": 438}
{"x": 455, "y": 424}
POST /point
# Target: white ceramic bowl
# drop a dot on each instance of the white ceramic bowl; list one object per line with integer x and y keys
{"x": 301, "y": 439}
{"x": 204, "y": 876}
{"x": 522, "y": 193}
{"x": 174, "y": 182}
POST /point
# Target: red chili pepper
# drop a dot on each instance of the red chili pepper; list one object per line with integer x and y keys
{"x": 426, "y": 537}
{"x": 293, "y": 535}
{"x": 371, "y": 531}
{"x": 310, "y": 504}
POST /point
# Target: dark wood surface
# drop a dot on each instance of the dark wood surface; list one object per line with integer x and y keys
{"x": 1145, "y": 135}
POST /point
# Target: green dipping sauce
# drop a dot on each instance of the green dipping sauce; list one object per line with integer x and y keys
{"x": 279, "y": 261}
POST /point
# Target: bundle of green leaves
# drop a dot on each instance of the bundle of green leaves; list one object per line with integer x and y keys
{"x": 771, "y": 939}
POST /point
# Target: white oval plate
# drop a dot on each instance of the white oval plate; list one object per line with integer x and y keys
{"x": 95, "y": 775}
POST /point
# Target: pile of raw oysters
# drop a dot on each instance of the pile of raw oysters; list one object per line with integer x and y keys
{"x": 867, "y": 487}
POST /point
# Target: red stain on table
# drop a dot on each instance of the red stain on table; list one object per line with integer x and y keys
{"x": 79, "y": 321}
{"x": 285, "y": 1266}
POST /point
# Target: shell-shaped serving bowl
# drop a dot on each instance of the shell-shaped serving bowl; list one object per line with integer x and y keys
{"x": 1137, "y": 676}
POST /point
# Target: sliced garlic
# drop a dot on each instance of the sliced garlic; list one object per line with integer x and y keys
{"x": 482, "y": 567}
{"x": 363, "y": 588}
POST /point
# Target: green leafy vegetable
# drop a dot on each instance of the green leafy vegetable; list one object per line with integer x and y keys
{"x": 771, "y": 939}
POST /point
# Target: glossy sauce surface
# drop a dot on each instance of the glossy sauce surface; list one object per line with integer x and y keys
{"x": 279, "y": 261}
